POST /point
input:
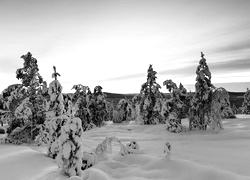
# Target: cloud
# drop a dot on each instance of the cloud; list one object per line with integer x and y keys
{"x": 231, "y": 65}
{"x": 188, "y": 70}
{"x": 245, "y": 45}
{"x": 129, "y": 76}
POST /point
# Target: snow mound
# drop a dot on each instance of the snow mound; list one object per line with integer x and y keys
{"x": 94, "y": 174}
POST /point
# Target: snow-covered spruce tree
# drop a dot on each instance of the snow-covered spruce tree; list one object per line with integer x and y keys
{"x": 173, "y": 108}
{"x": 34, "y": 101}
{"x": 69, "y": 158}
{"x": 246, "y": 103}
{"x": 80, "y": 99}
{"x": 200, "y": 104}
{"x": 150, "y": 95}
{"x": 54, "y": 123}
{"x": 97, "y": 106}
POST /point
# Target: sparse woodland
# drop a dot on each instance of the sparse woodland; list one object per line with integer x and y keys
{"x": 39, "y": 114}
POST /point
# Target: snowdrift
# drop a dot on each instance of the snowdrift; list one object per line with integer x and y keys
{"x": 195, "y": 155}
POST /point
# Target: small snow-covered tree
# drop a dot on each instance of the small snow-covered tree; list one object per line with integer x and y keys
{"x": 70, "y": 156}
{"x": 123, "y": 111}
{"x": 97, "y": 106}
{"x": 246, "y": 103}
{"x": 225, "y": 110}
{"x": 80, "y": 99}
{"x": 150, "y": 96}
{"x": 173, "y": 108}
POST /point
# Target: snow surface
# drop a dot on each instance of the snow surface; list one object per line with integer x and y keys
{"x": 196, "y": 155}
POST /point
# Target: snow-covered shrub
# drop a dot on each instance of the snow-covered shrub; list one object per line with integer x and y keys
{"x": 123, "y": 111}
{"x": 22, "y": 134}
{"x": 132, "y": 147}
{"x": 123, "y": 150}
{"x": 104, "y": 147}
{"x": 70, "y": 156}
{"x": 167, "y": 150}
{"x": 246, "y": 103}
{"x": 173, "y": 108}
{"x": 220, "y": 107}
{"x": 222, "y": 97}
{"x": 88, "y": 160}
{"x": 118, "y": 116}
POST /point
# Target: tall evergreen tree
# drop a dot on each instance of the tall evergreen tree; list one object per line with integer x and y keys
{"x": 33, "y": 81}
{"x": 202, "y": 98}
{"x": 150, "y": 96}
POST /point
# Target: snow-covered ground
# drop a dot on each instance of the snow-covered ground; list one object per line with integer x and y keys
{"x": 196, "y": 155}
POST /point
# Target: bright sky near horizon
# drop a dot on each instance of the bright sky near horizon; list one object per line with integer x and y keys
{"x": 112, "y": 42}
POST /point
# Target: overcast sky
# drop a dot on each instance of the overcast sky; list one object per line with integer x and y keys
{"x": 112, "y": 42}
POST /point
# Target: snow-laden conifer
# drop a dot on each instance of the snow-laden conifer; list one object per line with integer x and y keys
{"x": 69, "y": 158}
{"x": 97, "y": 107}
{"x": 54, "y": 123}
{"x": 172, "y": 108}
{"x": 150, "y": 97}
{"x": 27, "y": 115}
{"x": 202, "y": 98}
